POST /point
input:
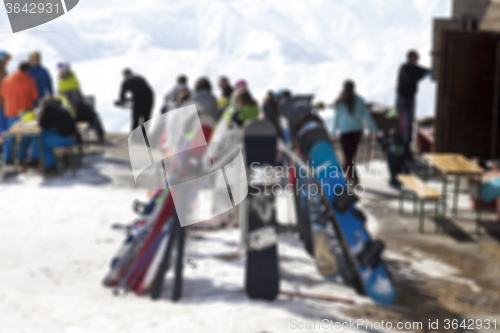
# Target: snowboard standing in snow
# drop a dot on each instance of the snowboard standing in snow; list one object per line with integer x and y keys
{"x": 323, "y": 239}
{"x": 262, "y": 273}
{"x": 364, "y": 267}
{"x": 310, "y": 210}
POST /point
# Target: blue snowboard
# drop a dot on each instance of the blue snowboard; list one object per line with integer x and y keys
{"x": 370, "y": 269}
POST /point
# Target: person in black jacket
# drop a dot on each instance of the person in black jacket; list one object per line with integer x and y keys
{"x": 225, "y": 87}
{"x": 58, "y": 130}
{"x": 409, "y": 75}
{"x": 142, "y": 97}
{"x": 393, "y": 145}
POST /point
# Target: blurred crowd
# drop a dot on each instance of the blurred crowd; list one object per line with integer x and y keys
{"x": 27, "y": 95}
{"x": 28, "y": 101}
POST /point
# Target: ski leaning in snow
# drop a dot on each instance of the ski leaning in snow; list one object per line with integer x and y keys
{"x": 140, "y": 266}
{"x": 363, "y": 253}
{"x": 262, "y": 273}
{"x": 194, "y": 150}
{"x": 299, "y": 192}
{"x": 122, "y": 261}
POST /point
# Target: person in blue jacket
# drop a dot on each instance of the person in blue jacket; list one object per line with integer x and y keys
{"x": 41, "y": 76}
{"x": 350, "y": 113}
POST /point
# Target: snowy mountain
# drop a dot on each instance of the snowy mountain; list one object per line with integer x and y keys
{"x": 306, "y": 46}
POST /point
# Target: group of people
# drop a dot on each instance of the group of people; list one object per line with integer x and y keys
{"x": 31, "y": 86}
{"x": 27, "y": 95}
{"x": 136, "y": 92}
{"x": 351, "y": 112}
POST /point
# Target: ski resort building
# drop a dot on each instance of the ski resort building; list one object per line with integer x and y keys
{"x": 466, "y": 63}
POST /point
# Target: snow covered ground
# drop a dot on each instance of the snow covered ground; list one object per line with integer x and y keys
{"x": 56, "y": 244}
{"x": 55, "y": 247}
{"x": 307, "y": 46}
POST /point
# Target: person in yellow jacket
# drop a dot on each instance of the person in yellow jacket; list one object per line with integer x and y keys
{"x": 68, "y": 85}
{"x": 72, "y": 97}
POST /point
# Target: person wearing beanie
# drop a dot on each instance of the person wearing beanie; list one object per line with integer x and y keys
{"x": 239, "y": 87}
{"x": 241, "y": 83}
{"x": 41, "y": 75}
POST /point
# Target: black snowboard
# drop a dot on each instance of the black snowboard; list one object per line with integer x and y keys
{"x": 262, "y": 273}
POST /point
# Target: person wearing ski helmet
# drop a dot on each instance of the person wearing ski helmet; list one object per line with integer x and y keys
{"x": 41, "y": 75}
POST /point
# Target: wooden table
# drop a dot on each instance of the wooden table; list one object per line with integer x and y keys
{"x": 458, "y": 166}
{"x": 20, "y": 129}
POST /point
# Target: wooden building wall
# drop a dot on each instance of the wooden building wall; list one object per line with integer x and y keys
{"x": 485, "y": 12}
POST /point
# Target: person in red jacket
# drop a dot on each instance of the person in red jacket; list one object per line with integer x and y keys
{"x": 19, "y": 93}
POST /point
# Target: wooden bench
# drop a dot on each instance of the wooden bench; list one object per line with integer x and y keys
{"x": 422, "y": 193}
{"x": 65, "y": 151}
